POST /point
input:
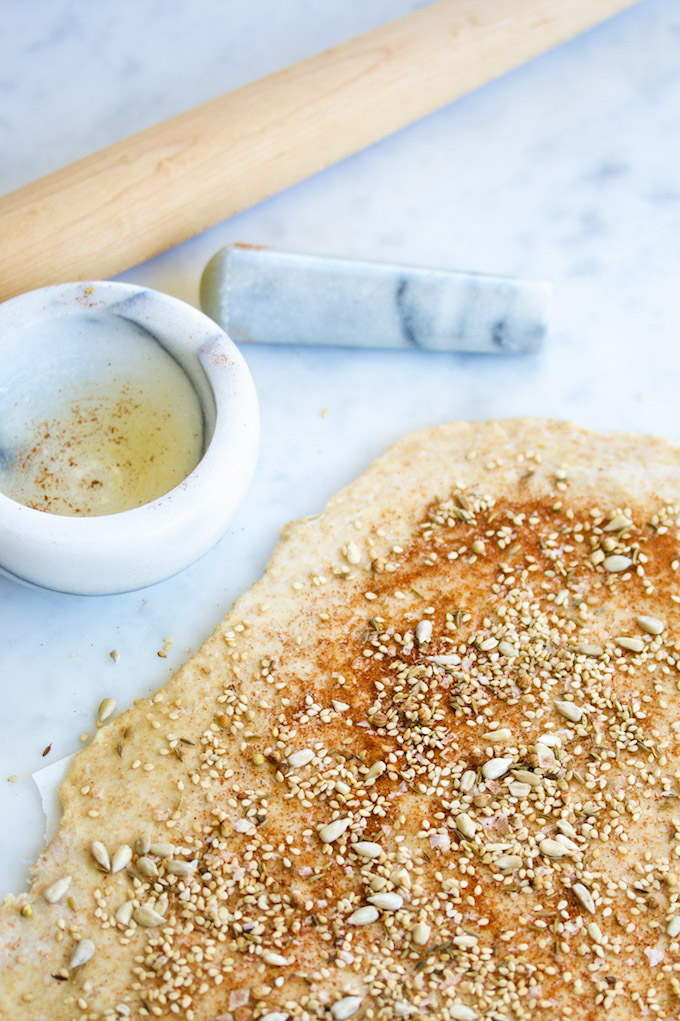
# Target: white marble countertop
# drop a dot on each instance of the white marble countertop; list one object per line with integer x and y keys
{"x": 565, "y": 169}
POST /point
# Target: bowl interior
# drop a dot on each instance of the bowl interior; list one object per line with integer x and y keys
{"x": 99, "y": 414}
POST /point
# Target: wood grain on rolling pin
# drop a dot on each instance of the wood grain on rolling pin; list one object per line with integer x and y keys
{"x": 134, "y": 199}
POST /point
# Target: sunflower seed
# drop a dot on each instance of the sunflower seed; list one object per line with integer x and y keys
{"x": 618, "y": 523}
{"x": 509, "y": 862}
{"x": 465, "y": 941}
{"x": 352, "y": 553}
{"x": 106, "y": 708}
{"x": 367, "y": 849}
{"x": 148, "y": 917}
{"x": 486, "y": 644}
{"x": 466, "y": 825}
{"x": 178, "y": 867}
{"x": 121, "y": 858}
{"x": 147, "y": 868}
{"x": 569, "y": 711}
{"x": 57, "y": 890}
{"x": 507, "y": 649}
{"x": 589, "y": 649}
{"x": 277, "y": 960}
{"x": 651, "y": 625}
{"x": 275, "y": 1015}
{"x": 363, "y": 916}
{"x": 100, "y": 855}
{"x": 520, "y": 790}
{"x": 673, "y": 927}
{"x": 468, "y": 780}
{"x": 387, "y": 901}
{"x": 584, "y": 897}
{"x": 632, "y": 644}
{"x": 595, "y": 932}
{"x": 346, "y": 1007}
{"x": 445, "y": 660}
{"x": 162, "y": 904}
{"x": 616, "y": 563}
{"x": 421, "y": 933}
{"x": 332, "y": 830}
{"x": 423, "y": 632}
{"x": 495, "y": 768}
{"x": 124, "y": 912}
{"x": 143, "y": 844}
{"x": 501, "y": 736}
{"x": 376, "y": 770}
{"x": 459, "y": 1012}
{"x": 552, "y": 848}
{"x": 526, "y": 776}
{"x": 81, "y": 954}
{"x": 567, "y": 842}
{"x": 161, "y": 849}
{"x": 301, "y": 758}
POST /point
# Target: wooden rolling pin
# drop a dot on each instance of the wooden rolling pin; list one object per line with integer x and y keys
{"x": 134, "y": 199}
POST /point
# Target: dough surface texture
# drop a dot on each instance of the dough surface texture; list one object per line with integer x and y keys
{"x": 427, "y": 767}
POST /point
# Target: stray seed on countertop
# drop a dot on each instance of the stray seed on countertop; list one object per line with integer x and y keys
{"x": 46, "y": 751}
{"x": 115, "y": 655}
{"x": 13, "y": 778}
{"x": 584, "y": 896}
{"x": 332, "y": 830}
{"x": 100, "y": 855}
{"x": 81, "y": 954}
{"x": 387, "y": 901}
{"x": 121, "y": 858}
{"x": 147, "y": 917}
{"x": 651, "y": 625}
{"x": 616, "y": 563}
{"x": 270, "y": 957}
{"x": 106, "y": 708}
{"x": 367, "y": 848}
{"x": 363, "y": 916}
{"x": 346, "y": 1007}
{"x": 57, "y": 890}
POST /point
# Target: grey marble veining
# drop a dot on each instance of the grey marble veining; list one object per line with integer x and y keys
{"x": 566, "y": 170}
{"x": 266, "y": 296}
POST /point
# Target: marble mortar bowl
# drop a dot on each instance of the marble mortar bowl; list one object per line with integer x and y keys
{"x": 50, "y": 336}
